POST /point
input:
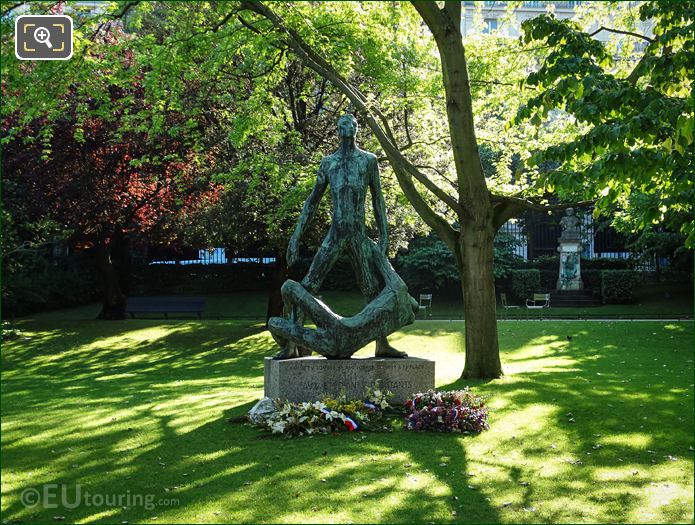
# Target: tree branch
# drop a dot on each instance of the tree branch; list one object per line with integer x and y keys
{"x": 453, "y": 10}
{"x": 246, "y": 24}
{"x": 636, "y": 73}
{"x": 621, "y": 32}
{"x": 438, "y": 172}
{"x": 116, "y": 16}
{"x": 403, "y": 168}
{"x": 432, "y": 16}
{"x": 509, "y": 206}
{"x": 11, "y": 8}
{"x": 498, "y": 83}
{"x": 473, "y": 195}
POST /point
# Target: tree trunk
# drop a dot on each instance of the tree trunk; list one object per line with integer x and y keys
{"x": 114, "y": 301}
{"x": 275, "y": 303}
{"x": 478, "y": 283}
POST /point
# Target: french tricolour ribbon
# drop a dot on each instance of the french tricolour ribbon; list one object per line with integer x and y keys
{"x": 350, "y": 423}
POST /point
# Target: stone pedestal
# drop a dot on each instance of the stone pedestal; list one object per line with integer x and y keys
{"x": 309, "y": 378}
{"x": 570, "y": 277}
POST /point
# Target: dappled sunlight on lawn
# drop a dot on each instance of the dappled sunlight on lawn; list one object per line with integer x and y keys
{"x": 596, "y": 428}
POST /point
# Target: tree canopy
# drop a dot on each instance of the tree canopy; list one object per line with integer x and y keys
{"x": 634, "y": 157}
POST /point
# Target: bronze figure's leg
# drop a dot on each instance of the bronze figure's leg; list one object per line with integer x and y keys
{"x": 327, "y": 255}
{"x": 362, "y": 254}
{"x": 323, "y": 261}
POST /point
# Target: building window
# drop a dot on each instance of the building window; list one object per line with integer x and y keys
{"x": 490, "y": 25}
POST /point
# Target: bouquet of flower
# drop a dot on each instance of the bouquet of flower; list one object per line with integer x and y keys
{"x": 331, "y": 414}
{"x": 455, "y": 411}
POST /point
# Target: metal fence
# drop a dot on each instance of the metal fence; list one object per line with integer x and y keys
{"x": 539, "y": 236}
{"x": 214, "y": 256}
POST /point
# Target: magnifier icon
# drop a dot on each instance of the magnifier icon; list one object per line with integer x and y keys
{"x": 42, "y": 36}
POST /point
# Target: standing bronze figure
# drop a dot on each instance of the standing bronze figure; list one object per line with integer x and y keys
{"x": 349, "y": 172}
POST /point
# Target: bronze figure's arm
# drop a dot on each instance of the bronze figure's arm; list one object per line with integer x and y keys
{"x": 379, "y": 205}
{"x": 308, "y": 211}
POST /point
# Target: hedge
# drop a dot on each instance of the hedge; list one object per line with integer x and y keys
{"x": 156, "y": 279}
{"x": 552, "y": 262}
{"x": 525, "y": 283}
{"x": 40, "y": 284}
{"x": 618, "y": 286}
{"x": 592, "y": 280}
{"x": 199, "y": 278}
{"x": 548, "y": 279}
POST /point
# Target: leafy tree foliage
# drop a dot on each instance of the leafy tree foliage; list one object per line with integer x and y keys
{"x": 256, "y": 122}
{"x": 96, "y": 159}
{"x": 260, "y": 83}
{"x": 460, "y": 204}
{"x": 429, "y": 265}
{"x": 635, "y": 155}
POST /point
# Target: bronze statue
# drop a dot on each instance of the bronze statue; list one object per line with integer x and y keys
{"x": 336, "y": 337}
{"x": 349, "y": 172}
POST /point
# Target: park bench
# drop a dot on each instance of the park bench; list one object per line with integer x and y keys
{"x": 165, "y": 305}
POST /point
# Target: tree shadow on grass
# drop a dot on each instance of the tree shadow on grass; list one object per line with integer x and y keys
{"x": 143, "y": 407}
{"x": 222, "y": 472}
{"x": 600, "y": 420}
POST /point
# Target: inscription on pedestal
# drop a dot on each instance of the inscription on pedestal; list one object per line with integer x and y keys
{"x": 310, "y": 378}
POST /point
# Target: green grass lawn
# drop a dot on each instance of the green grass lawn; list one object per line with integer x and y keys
{"x": 596, "y": 429}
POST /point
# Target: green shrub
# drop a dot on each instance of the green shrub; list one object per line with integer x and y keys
{"x": 158, "y": 279}
{"x": 341, "y": 277}
{"x": 548, "y": 279}
{"x": 592, "y": 280}
{"x": 544, "y": 262}
{"x": 504, "y": 257}
{"x": 525, "y": 283}
{"x": 603, "y": 263}
{"x": 617, "y": 286}
{"x": 428, "y": 265}
{"x": 37, "y": 283}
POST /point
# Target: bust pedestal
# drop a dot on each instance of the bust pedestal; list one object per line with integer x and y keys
{"x": 570, "y": 277}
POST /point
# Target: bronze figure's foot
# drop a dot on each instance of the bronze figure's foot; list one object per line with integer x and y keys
{"x": 304, "y": 351}
{"x": 286, "y": 352}
{"x": 383, "y": 349}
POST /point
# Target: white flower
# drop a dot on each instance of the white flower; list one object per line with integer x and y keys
{"x": 278, "y": 427}
{"x": 330, "y": 416}
{"x": 384, "y": 404}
